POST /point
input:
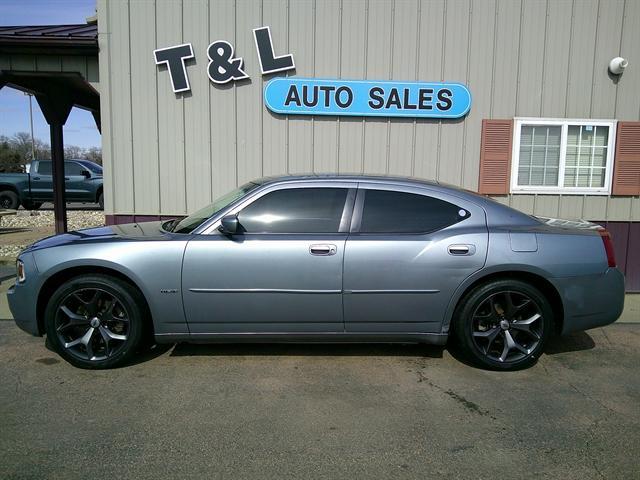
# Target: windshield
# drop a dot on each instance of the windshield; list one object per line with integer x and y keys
{"x": 193, "y": 221}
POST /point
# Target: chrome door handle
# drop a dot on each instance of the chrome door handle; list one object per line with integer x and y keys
{"x": 460, "y": 249}
{"x": 323, "y": 250}
{"x": 36, "y": 178}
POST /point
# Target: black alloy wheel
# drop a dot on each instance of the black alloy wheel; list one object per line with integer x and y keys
{"x": 504, "y": 324}
{"x": 95, "y": 321}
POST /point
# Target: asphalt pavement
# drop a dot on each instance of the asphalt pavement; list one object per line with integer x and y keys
{"x": 322, "y": 411}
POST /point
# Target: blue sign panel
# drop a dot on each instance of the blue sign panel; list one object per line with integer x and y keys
{"x": 312, "y": 96}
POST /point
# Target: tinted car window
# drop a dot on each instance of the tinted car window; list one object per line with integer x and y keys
{"x": 44, "y": 168}
{"x": 298, "y": 210}
{"x": 398, "y": 212}
{"x": 73, "y": 168}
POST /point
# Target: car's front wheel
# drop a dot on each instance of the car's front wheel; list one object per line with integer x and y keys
{"x": 503, "y": 324}
{"x": 95, "y": 321}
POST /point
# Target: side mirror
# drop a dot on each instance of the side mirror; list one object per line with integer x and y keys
{"x": 86, "y": 173}
{"x": 229, "y": 225}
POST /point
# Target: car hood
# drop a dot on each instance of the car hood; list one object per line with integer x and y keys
{"x": 148, "y": 231}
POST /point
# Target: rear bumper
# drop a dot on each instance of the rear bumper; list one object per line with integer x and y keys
{"x": 591, "y": 301}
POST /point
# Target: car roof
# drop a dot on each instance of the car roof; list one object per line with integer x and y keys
{"x": 342, "y": 177}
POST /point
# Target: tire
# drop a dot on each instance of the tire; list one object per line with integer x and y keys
{"x": 96, "y": 321}
{"x": 30, "y": 205}
{"x": 101, "y": 200}
{"x": 503, "y": 324}
{"x": 9, "y": 200}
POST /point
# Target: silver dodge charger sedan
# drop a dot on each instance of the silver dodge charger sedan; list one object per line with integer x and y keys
{"x": 323, "y": 259}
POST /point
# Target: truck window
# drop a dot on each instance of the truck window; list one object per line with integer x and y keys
{"x": 44, "y": 168}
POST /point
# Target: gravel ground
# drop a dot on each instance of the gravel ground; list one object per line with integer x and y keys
{"x": 42, "y": 223}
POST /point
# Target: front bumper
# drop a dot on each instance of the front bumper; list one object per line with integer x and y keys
{"x": 23, "y": 298}
{"x": 591, "y": 301}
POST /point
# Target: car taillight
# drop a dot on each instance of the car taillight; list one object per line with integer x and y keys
{"x": 608, "y": 246}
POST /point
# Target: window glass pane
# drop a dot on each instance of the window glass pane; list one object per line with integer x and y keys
{"x": 571, "y": 157}
{"x": 569, "y": 177}
{"x": 72, "y": 168}
{"x": 538, "y": 156}
{"x": 554, "y": 136}
{"x": 585, "y": 156}
{"x": 523, "y": 175}
{"x": 586, "y": 136}
{"x": 44, "y": 168}
{"x": 297, "y": 210}
{"x": 540, "y": 135}
{"x": 573, "y": 135}
{"x": 597, "y": 179}
{"x": 602, "y": 136}
{"x": 599, "y": 157}
{"x": 399, "y": 212}
{"x": 583, "y": 177}
{"x": 584, "y": 159}
{"x": 525, "y": 155}
{"x": 539, "y": 161}
{"x": 526, "y": 135}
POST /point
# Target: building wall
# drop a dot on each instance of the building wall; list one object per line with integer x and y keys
{"x": 169, "y": 154}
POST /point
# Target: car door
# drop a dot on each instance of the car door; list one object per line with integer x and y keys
{"x": 42, "y": 182}
{"x": 408, "y": 251}
{"x": 76, "y": 185}
{"x": 282, "y": 274}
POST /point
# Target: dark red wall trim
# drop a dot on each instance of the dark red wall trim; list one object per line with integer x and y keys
{"x": 625, "y": 236}
{"x": 626, "y": 244}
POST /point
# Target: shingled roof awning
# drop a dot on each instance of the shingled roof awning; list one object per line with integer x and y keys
{"x": 56, "y": 39}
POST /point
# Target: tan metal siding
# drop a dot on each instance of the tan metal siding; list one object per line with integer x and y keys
{"x": 354, "y": 30}
{"x": 144, "y": 108}
{"x": 301, "y": 39}
{"x": 222, "y": 104}
{"x": 378, "y": 55}
{"x": 274, "y": 130}
{"x": 197, "y": 144}
{"x": 533, "y": 58}
{"x": 326, "y": 56}
{"x": 122, "y": 174}
{"x": 556, "y": 57}
{"x": 171, "y": 120}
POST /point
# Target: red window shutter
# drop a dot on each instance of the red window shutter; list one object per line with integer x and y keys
{"x": 495, "y": 157}
{"x": 626, "y": 166}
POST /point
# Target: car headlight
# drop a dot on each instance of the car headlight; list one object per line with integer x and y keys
{"x": 22, "y": 276}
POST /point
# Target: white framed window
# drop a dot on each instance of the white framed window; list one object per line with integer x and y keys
{"x": 562, "y": 156}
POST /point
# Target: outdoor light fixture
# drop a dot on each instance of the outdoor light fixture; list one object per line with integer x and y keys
{"x": 617, "y": 65}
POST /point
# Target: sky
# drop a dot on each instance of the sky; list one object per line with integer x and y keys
{"x": 80, "y": 128}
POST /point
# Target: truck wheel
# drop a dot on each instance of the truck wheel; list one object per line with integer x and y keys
{"x": 101, "y": 201}
{"x": 9, "y": 200}
{"x": 30, "y": 205}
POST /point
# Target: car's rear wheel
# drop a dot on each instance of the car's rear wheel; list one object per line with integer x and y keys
{"x": 95, "y": 321}
{"x": 9, "y": 200}
{"x": 101, "y": 200}
{"x": 503, "y": 324}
